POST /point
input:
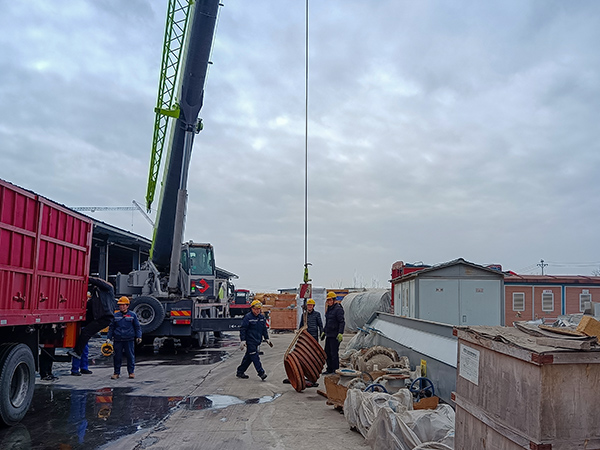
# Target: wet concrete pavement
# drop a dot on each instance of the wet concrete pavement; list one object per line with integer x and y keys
{"x": 184, "y": 399}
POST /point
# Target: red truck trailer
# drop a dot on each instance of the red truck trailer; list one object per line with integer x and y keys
{"x": 44, "y": 263}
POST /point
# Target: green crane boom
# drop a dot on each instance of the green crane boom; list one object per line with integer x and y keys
{"x": 178, "y": 13}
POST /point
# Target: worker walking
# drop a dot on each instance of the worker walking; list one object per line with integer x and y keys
{"x": 313, "y": 320}
{"x": 334, "y": 329}
{"x": 126, "y": 330}
{"x": 252, "y": 332}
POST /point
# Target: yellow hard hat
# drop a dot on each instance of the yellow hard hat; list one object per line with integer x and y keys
{"x": 331, "y": 294}
{"x": 310, "y": 301}
{"x": 123, "y": 301}
{"x": 107, "y": 349}
{"x": 256, "y": 304}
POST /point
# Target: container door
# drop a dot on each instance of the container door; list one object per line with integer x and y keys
{"x": 480, "y": 302}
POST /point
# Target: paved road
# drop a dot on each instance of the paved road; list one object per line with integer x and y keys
{"x": 181, "y": 400}
{"x": 259, "y": 415}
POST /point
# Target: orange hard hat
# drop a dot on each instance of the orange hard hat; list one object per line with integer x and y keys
{"x": 123, "y": 301}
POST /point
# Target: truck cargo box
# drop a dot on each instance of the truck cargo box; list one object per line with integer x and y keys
{"x": 44, "y": 259}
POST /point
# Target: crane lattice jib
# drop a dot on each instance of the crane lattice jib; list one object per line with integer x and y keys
{"x": 178, "y": 14}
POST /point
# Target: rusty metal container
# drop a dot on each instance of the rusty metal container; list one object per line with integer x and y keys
{"x": 513, "y": 393}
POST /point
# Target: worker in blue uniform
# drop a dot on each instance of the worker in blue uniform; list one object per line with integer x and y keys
{"x": 126, "y": 330}
{"x": 334, "y": 332}
{"x": 252, "y": 331}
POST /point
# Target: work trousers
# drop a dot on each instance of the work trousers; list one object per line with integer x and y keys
{"x": 332, "y": 350}
{"x": 126, "y": 347}
{"x": 251, "y": 357}
{"x": 90, "y": 330}
{"x": 46, "y": 360}
{"x": 83, "y": 363}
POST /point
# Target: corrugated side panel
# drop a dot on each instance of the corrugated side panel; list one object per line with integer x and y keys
{"x": 44, "y": 259}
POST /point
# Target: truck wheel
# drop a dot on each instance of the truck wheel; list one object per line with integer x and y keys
{"x": 202, "y": 339}
{"x": 150, "y": 313}
{"x": 17, "y": 382}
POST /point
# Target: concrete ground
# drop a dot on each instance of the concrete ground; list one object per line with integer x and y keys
{"x": 217, "y": 410}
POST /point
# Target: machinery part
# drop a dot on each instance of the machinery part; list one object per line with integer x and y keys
{"x": 356, "y": 383}
{"x": 424, "y": 389}
{"x": 311, "y": 372}
{"x": 150, "y": 313}
{"x": 107, "y": 349}
{"x": 17, "y": 382}
{"x": 296, "y": 374}
{"x": 380, "y": 350}
{"x": 314, "y": 344}
{"x": 373, "y": 386}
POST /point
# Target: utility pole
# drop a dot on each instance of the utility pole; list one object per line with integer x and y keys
{"x": 542, "y": 265}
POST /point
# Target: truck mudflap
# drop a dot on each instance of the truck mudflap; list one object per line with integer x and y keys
{"x": 216, "y": 324}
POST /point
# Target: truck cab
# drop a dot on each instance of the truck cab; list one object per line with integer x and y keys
{"x": 240, "y": 303}
{"x": 199, "y": 271}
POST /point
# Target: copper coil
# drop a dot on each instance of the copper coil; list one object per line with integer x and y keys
{"x": 311, "y": 371}
{"x": 307, "y": 335}
{"x": 294, "y": 372}
{"x": 314, "y": 347}
{"x": 310, "y": 355}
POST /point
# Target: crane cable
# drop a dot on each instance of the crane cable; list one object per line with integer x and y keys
{"x": 306, "y": 147}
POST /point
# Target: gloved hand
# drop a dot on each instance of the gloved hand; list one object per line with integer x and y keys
{"x": 270, "y": 343}
{"x": 322, "y": 335}
{"x": 109, "y": 341}
{"x": 243, "y": 346}
{"x": 340, "y": 337}
{"x": 138, "y": 340}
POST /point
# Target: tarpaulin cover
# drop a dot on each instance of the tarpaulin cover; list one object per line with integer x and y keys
{"x": 360, "y": 306}
{"x": 389, "y": 422}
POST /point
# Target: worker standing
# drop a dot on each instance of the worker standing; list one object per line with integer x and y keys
{"x": 252, "y": 332}
{"x": 126, "y": 330}
{"x": 313, "y": 320}
{"x": 334, "y": 329}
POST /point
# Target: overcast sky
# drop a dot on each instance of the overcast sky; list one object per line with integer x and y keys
{"x": 437, "y": 130}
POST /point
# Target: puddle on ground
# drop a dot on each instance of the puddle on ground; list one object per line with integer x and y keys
{"x": 191, "y": 358}
{"x": 223, "y": 401}
{"x": 86, "y": 419}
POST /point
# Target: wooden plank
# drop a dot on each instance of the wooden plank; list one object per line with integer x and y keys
{"x": 564, "y": 343}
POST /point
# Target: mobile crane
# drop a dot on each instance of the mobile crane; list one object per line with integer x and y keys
{"x": 179, "y": 292}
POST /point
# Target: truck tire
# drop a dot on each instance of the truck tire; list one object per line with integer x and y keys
{"x": 150, "y": 313}
{"x": 17, "y": 382}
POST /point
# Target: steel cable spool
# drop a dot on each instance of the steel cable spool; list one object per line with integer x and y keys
{"x": 304, "y": 358}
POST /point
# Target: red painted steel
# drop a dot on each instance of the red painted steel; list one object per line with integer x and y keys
{"x": 44, "y": 259}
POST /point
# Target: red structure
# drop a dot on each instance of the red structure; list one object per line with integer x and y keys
{"x": 399, "y": 268}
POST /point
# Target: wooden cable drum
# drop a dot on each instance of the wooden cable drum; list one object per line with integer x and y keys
{"x": 304, "y": 358}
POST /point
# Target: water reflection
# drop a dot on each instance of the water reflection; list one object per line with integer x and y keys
{"x": 86, "y": 419}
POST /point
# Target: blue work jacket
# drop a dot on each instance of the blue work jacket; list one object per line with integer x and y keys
{"x": 253, "y": 329}
{"x": 124, "y": 327}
